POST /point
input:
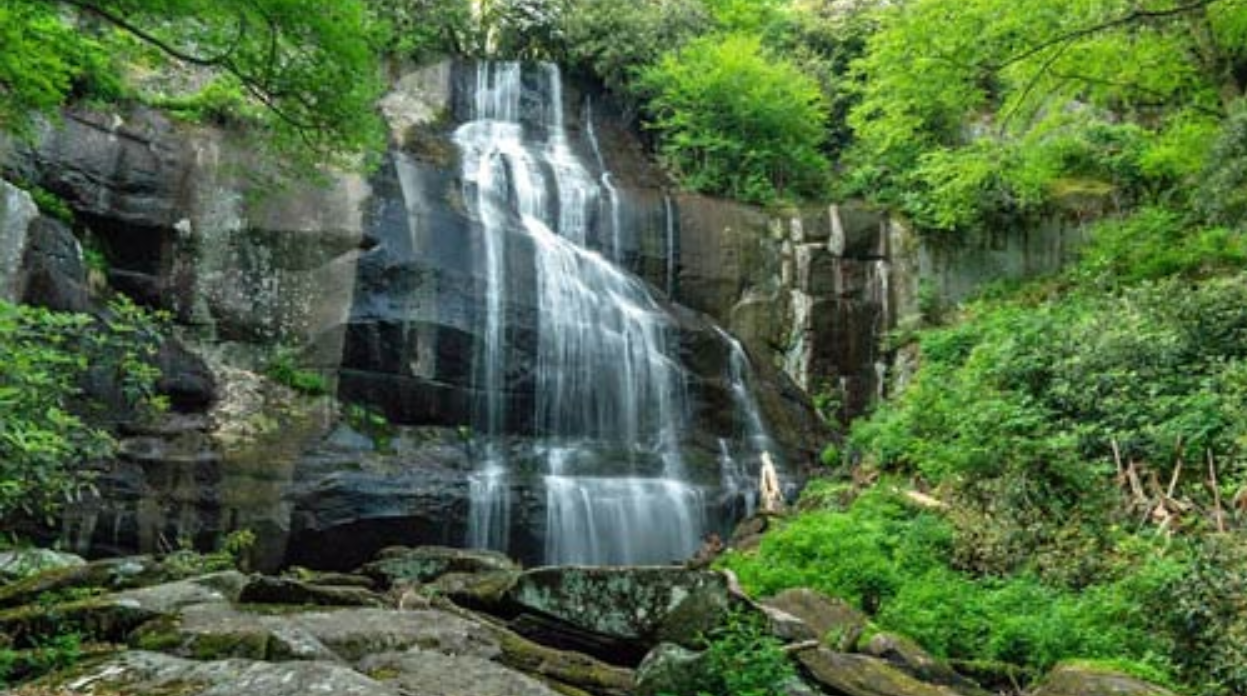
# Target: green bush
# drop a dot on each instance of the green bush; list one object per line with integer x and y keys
{"x": 284, "y": 369}
{"x": 45, "y": 357}
{"x": 893, "y": 560}
{"x": 744, "y": 659}
{"x": 653, "y": 27}
{"x": 735, "y": 119}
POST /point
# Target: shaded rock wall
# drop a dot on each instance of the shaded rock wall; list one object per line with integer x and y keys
{"x": 817, "y": 289}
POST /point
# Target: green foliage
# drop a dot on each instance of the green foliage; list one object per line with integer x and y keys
{"x": 44, "y": 358}
{"x": 972, "y": 113}
{"x": 374, "y": 424}
{"x": 653, "y": 27}
{"x": 892, "y": 560}
{"x": 738, "y": 120}
{"x": 185, "y": 561}
{"x": 53, "y": 654}
{"x": 1222, "y": 194}
{"x": 1206, "y": 612}
{"x": 744, "y": 659}
{"x": 284, "y": 369}
{"x": 310, "y": 70}
{"x": 425, "y": 29}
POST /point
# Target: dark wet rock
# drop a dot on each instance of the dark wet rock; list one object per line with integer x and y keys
{"x": 484, "y": 591}
{"x": 909, "y": 656}
{"x": 54, "y": 274}
{"x": 671, "y": 669}
{"x": 645, "y": 605}
{"x": 185, "y": 378}
{"x": 425, "y": 564}
{"x": 860, "y": 675}
{"x": 831, "y": 621}
{"x": 268, "y": 590}
{"x": 1087, "y": 680}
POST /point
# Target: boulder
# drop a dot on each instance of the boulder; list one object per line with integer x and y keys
{"x": 424, "y": 564}
{"x": 185, "y": 378}
{"x": 671, "y": 669}
{"x": 107, "y": 574}
{"x": 861, "y": 675}
{"x": 436, "y": 674}
{"x": 910, "y": 657}
{"x": 484, "y": 591}
{"x": 20, "y": 564}
{"x": 643, "y": 605}
{"x": 55, "y": 276}
{"x": 140, "y": 672}
{"x": 268, "y": 590}
{"x": 1088, "y": 680}
{"x": 833, "y": 621}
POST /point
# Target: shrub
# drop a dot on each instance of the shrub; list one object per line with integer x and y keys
{"x": 45, "y": 357}
{"x": 284, "y": 369}
{"x": 734, "y": 119}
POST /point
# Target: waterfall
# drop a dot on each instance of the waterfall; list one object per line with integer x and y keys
{"x": 740, "y": 487}
{"x": 610, "y": 400}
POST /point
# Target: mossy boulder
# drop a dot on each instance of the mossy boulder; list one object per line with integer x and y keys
{"x": 157, "y": 674}
{"x": 108, "y": 574}
{"x": 644, "y": 605}
{"x": 908, "y": 656}
{"x": 1094, "y": 680}
{"x": 831, "y": 620}
{"x": 269, "y": 590}
{"x": 671, "y": 669}
{"x": 402, "y": 565}
{"x": 430, "y": 673}
{"x": 862, "y": 675}
{"x": 485, "y": 591}
{"x": 20, "y": 564}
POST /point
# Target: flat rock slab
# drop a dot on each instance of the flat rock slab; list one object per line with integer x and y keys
{"x": 858, "y": 675}
{"x": 645, "y": 604}
{"x": 434, "y": 674}
{"x": 427, "y": 563}
{"x": 217, "y": 631}
{"x": 155, "y": 673}
{"x": 830, "y": 620}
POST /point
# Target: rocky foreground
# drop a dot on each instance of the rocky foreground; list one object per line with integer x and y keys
{"x": 433, "y": 621}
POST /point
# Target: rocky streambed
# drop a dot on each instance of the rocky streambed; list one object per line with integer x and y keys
{"x": 434, "y": 621}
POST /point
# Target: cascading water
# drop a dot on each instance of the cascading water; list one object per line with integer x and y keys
{"x": 609, "y": 402}
{"x": 16, "y": 212}
{"x": 740, "y": 487}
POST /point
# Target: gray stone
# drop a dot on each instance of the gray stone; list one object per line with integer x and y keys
{"x": 909, "y": 656}
{"x": 269, "y": 590}
{"x": 648, "y": 605}
{"x": 860, "y": 675}
{"x": 832, "y": 621}
{"x": 141, "y": 672}
{"x": 427, "y": 563}
{"x": 1086, "y": 680}
{"x": 436, "y": 674}
{"x": 20, "y": 564}
{"x": 671, "y": 669}
{"x": 53, "y": 270}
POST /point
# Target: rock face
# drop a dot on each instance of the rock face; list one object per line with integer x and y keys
{"x": 379, "y": 286}
{"x": 819, "y": 287}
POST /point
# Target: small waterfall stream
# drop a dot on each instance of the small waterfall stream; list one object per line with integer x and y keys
{"x": 610, "y": 400}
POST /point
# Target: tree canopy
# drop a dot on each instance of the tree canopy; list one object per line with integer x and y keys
{"x": 312, "y": 66}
